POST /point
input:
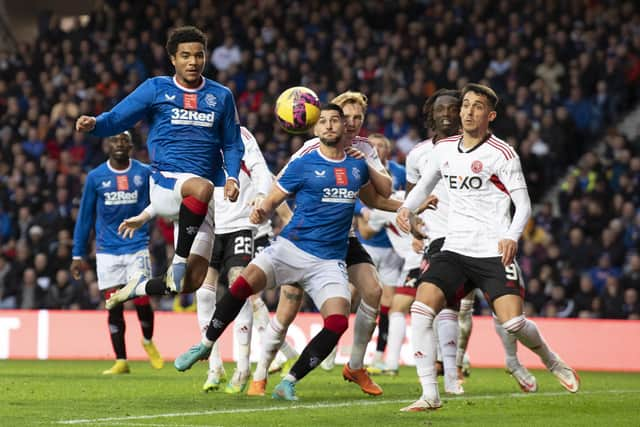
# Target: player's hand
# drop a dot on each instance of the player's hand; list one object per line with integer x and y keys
{"x": 417, "y": 227}
{"x": 258, "y": 215}
{"x": 231, "y": 190}
{"x": 508, "y": 249}
{"x": 128, "y": 226}
{"x": 257, "y": 201}
{"x": 417, "y": 245}
{"x": 431, "y": 202}
{"x": 354, "y": 152}
{"x": 85, "y": 123}
{"x": 403, "y": 219}
{"x": 77, "y": 267}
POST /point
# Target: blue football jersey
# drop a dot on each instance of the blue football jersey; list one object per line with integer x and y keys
{"x": 399, "y": 182}
{"x": 109, "y": 197}
{"x": 190, "y": 130}
{"x": 325, "y": 196}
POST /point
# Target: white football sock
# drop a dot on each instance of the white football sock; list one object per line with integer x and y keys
{"x": 363, "y": 328}
{"x": 424, "y": 348}
{"x": 272, "y": 339}
{"x": 435, "y": 334}
{"x": 242, "y": 331}
{"x": 206, "y": 305}
{"x": 397, "y": 330}
{"x": 528, "y": 334}
{"x": 260, "y": 314}
{"x": 448, "y": 336}
{"x": 510, "y": 344}
{"x": 465, "y": 324}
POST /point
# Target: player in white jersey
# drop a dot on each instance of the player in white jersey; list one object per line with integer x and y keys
{"x": 359, "y": 264}
{"x": 483, "y": 176}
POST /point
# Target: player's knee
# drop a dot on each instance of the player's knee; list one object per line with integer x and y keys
{"x": 514, "y": 324}
{"x": 337, "y": 323}
{"x": 422, "y": 312}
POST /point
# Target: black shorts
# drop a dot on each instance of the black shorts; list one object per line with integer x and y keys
{"x": 232, "y": 250}
{"x": 356, "y": 253}
{"x": 456, "y": 275}
{"x": 260, "y": 243}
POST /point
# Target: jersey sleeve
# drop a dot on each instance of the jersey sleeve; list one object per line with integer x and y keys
{"x": 371, "y": 154}
{"x": 511, "y": 176}
{"x": 292, "y": 177}
{"x": 127, "y": 112}
{"x": 86, "y": 218}
{"x": 425, "y": 184}
{"x": 232, "y": 146}
{"x": 254, "y": 160}
{"x": 411, "y": 166}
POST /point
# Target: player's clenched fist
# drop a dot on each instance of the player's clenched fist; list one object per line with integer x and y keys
{"x": 258, "y": 215}
{"x": 85, "y": 123}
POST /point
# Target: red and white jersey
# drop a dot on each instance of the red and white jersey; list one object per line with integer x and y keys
{"x": 435, "y": 219}
{"x": 360, "y": 143}
{"x": 479, "y": 183}
{"x": 254, "y": 178}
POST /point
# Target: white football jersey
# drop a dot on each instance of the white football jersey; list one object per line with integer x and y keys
{"x": 435, "y": 219}
{"x": 479, "y": 183}
{"x": 254, "y": 178}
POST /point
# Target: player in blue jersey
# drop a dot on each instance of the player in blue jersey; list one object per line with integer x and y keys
{"x": 114, "y": 191}
{"x": 194, "y": 138}
{"x": 387, "y": 262}
{"x": 310, "y": 250}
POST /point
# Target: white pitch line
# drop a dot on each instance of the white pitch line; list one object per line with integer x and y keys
{"x": 312, "y": 406}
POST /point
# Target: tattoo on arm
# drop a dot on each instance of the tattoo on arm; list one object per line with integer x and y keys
{"x": 291, "y": 296}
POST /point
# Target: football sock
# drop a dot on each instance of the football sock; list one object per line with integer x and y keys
{"x": 192, "y": 213}
{"x": 466, "y": 324}
{"x": 205, "y": 305}
{"x": 397, "y": 330}
{"x": 424, "y": 348}
{"x": 117, "y": 329}
{"x": 527, "y": 333}
{"x": 273, "y": 337}
{"x": 260, "y": 314}
{"x": 435, "y": 335}
{"x": 145, "y": 316}
{"x": 319, "y": 347}
{"x": 242, "y": 331}
{"x": 383, "y": 329}
{"x": 510, "y": 344}
{"x": 227, "y": 309}
{"x": 448, "y": 335}
{"x": 364, "y": 325}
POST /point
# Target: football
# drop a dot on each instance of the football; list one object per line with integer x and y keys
{"x": 297, "y": 109}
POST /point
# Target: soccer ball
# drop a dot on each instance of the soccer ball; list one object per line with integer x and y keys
{"x": 297, "y": 109}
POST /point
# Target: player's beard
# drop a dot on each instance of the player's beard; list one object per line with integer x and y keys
{"x": 331, "y": 142}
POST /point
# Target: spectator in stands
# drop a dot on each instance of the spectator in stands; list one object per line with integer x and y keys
{"x": 584, "y": 297}
{"x": 8, "y": 284}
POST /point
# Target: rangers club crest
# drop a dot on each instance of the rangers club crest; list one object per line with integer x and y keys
{"x": 476, "y": 166}
{"x": 211, "y": 100}
{"x": 356, "y": 173}
{"x": 137, "y": 180}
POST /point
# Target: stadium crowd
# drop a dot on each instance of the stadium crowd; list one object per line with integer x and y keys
{"x": 565, "y": 76}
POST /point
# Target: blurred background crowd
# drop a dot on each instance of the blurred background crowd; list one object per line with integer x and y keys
{"x": 567, "y": 72}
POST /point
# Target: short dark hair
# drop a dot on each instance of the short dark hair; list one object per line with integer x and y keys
{"x": 427, "y": 108}
{"x": 334, "y": 107}
{"x": 186, "y": 34}
{"x": 482, "y": 90}
{"x": 126, "y": 134}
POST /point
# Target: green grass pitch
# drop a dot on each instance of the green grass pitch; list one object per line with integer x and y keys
{"x": 61, "y": 393}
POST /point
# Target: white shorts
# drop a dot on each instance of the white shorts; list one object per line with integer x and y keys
{"x": 388, "y": 263}
{"x": 166, "y": 197}
{"x": 285, "y": 263}
{"x": 117, "y": 270}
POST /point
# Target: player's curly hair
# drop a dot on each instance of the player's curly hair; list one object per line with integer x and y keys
{"x": 349, "y": 97}
{"x": 186, "y": 34}
{"x": 427, "y": 108}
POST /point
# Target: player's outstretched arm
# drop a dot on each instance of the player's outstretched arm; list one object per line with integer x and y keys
{"x": 381, "y": 181}
{"x": 85, "y": 123}
{"x": 263, "y": 212}
{"x": 129, "y": 225}
{"x": 373, "y": 199}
